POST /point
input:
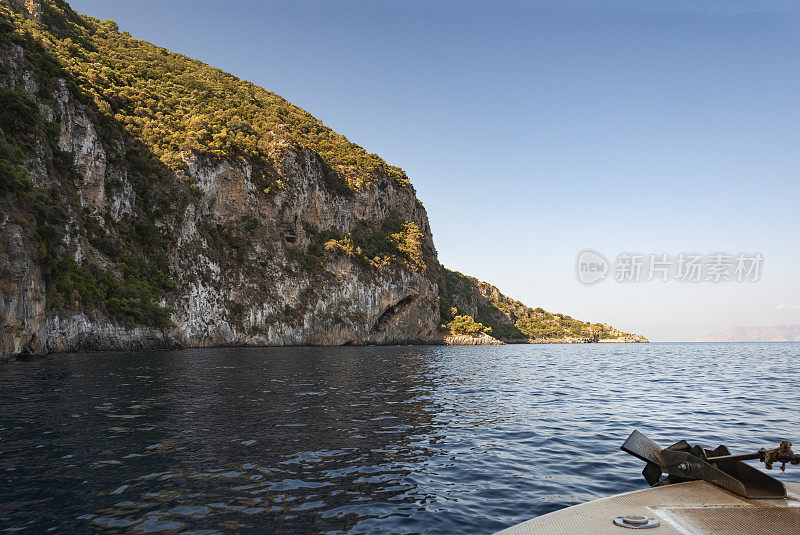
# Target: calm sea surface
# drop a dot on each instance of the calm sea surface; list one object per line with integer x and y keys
{"x": 365, "y": 440}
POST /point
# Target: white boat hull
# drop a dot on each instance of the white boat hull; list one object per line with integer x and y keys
{"x": 693, "y": 508}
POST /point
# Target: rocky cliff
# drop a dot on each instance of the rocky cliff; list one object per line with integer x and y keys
{"x": 149, "y": 200}
{"x": 512, "y": 321}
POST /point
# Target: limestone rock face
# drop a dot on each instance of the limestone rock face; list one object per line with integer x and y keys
{"x": 258, "y": 294}
{"x": 137, "y": 214}
{"x": 465, "y": 340}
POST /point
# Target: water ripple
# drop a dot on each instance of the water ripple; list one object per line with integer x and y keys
{"x": 364, "y": 440}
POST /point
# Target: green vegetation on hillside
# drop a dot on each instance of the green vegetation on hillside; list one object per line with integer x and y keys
{"x": 507, "y": 318}
{"x": 464, "y": 324}
{"x": 456, "y": 288}
{"x": 18, "y": 114}
{"x": 129, "y": 293}
{"x": 396, "y": 241}
{"x": 130, "y": 289}
{"x": 177, "y": 105}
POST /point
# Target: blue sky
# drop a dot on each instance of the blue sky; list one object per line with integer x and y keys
{"x": 535, "y": 130}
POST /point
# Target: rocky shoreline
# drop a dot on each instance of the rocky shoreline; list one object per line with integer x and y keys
{"x": 80, "y": 334}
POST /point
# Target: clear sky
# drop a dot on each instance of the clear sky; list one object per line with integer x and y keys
{"x": 535, "y": 130}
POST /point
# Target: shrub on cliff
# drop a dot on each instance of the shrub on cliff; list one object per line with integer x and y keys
{"x": 395, "y": 241}
{"x": 463, "y": 324}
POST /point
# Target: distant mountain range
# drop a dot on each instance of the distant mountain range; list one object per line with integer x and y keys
{"x": 777, "y": 333}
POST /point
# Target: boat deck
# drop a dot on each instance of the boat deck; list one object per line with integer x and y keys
{"x": 693, "y": 508}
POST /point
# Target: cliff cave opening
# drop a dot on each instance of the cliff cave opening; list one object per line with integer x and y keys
{"x": 392, "y": 311}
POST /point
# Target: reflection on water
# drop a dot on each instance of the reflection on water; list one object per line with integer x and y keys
{"x": 376, "y": 439}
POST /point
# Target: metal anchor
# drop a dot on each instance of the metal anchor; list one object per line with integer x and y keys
{"x": 683, "y": 462}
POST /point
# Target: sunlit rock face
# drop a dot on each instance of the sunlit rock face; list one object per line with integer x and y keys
{"x": 237, "y": 254}
{"x": 263, "y": 297}
{"x": 150, "y": 201}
